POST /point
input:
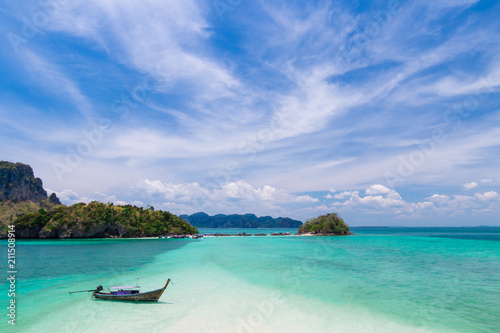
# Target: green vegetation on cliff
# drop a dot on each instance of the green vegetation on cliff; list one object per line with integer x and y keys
{"x": 11, "y": 210}
{"x": 97, "y": 220}
{"x": 329, "y": 224}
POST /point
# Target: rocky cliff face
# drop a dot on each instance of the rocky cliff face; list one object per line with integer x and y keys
{"x": 18, "y": 183}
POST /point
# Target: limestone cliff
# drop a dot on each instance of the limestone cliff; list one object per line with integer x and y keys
{"x": 18, "y": 183}
{"x": 21, "y": 193}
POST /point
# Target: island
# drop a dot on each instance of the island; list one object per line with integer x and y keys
{"x": 325, "y": 225}
{"x": 203, "y": 220}
{"x": 25, "y": 204}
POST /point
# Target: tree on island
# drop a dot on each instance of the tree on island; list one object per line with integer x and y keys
{"x": 329, "y": 224}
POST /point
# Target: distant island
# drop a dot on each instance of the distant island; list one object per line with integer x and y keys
{"x": 24, "y": 203}
{"x": 203, "y": 220}
{"x": 325, "y": 225}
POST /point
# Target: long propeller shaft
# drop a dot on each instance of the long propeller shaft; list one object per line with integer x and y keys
{"x": 81, "y": 291}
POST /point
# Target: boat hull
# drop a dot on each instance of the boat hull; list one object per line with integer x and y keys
{"x": 150, "y": 296}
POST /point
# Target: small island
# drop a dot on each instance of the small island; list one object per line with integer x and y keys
{"x": 325, "y": 225}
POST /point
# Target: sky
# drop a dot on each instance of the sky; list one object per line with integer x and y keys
{"x": 386, "y": 112}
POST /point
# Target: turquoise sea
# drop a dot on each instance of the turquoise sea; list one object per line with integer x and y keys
{"x": 379, "y": 280}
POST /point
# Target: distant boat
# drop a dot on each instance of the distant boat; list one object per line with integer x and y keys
{"x": 129, "y": 294}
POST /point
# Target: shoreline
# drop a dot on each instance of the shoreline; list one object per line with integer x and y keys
{"x": 199, "y": 236}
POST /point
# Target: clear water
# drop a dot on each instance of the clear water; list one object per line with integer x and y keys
{"x": 379, "y": 280}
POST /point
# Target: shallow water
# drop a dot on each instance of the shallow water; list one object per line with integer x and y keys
{"x": 379, "y": 280}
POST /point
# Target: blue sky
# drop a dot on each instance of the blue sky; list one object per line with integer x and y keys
{"x": 386, "y": 112}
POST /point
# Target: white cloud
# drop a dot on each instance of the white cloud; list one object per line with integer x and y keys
{"x": 378, "y": 189}
{"x": 463, "y": 204}
{"x": 230, "y": 198}
{"x": 439, "y": 198}
{"x": 378, "y": 199}
{"x": 305, "y": 199}
{"x": 491, "y": 195}
{"x": 244, "y": 191}
{"x": 424, "y": 205}
{"x": 345, "y": 194}
{"x": 70, "y": 197}
{"x": 167, "y": 191}
{"x": 382, "y": 200}
{"x": 486, "y": 180}
{"x": 470, "y": 186}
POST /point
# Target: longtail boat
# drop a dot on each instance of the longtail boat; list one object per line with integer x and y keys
{"x": 129, "y": 294}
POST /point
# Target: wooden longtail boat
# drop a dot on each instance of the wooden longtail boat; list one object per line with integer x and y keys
{"x": 130, "y": 294}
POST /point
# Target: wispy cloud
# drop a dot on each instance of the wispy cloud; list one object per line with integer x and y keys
{"x": 168, "y": 40}
{"x": 47, "y": 76}
{"x": 297, "y": 97}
